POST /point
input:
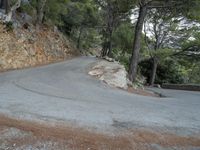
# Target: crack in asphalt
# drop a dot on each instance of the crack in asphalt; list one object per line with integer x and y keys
{"x": 48, "y": 95}
{"x": 40, "y": 93}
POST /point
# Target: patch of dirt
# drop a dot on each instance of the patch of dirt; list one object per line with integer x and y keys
{"x": 44, "y": 137}
{"x": 142, "y": 92}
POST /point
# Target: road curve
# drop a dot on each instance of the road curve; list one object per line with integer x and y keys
{"x": 65, "y": 92}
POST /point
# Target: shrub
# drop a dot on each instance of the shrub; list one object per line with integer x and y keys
{"x": 9, "y": 26}
{"x": 167, "y": 72}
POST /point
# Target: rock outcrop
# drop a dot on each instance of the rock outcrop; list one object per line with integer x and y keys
{"x": 111, "y": 73}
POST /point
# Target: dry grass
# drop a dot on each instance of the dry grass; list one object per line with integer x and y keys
{"x": 80, "y": 139}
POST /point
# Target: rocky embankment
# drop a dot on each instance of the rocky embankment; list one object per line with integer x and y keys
{"x": 25, "y": 47}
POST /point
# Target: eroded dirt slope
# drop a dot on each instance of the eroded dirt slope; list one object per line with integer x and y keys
{"x": 30, "y": 47}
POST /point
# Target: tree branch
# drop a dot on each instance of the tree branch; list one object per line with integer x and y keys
{"x": 17, "y": 5}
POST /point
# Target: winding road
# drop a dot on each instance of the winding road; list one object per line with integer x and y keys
{"x": 65, "y": 92}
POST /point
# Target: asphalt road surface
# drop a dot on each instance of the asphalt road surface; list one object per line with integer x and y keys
{"x": 65, "y": 92}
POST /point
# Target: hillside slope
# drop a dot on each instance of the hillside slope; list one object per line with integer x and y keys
{"x": 30, "y": 47}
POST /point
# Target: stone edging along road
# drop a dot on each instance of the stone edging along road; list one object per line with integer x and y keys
{"x": 188, "y": 87}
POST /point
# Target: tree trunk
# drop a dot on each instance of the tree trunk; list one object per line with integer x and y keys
{"x": 154, "y": 70}
{"x": 110, "y": 44}
{"x": 7, "y": 6}
{"x": 137, "y": 44}
{"x": 40, "y": 11}
{"x": 107, "y": 47}
{"x": 104, "y": 49}
{"x": 79, "y": 37}
{"x": 2, "y": 4}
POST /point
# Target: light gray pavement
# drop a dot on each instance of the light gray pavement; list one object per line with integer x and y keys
{"x": 65, "y": 92}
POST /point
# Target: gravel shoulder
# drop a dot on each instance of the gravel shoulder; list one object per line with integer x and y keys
{"x": 26, "y": 135}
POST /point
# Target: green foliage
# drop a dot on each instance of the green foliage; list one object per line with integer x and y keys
{"x": 122, "y": 42}
{"x": 9, "y": 26}
{"x": 28, "y": 8}
{"x": 161, "y": 30}
{"x": 91, "y": 39}
{"x": 80, "y": 14}
{"x": 123, "y": 38}
{"x": 163, "y": 53}
{"x": 12, "y": 2}
{"x": 194, "y": 73}
{"x": 54, "y": 9}
{"x": 191, "y": 48}
{"x": 81, "y": 20}
{"x": 193, "y": 11}
{"x": 113, "y": 12}
{"x": 168, "y": 72}
{"x": 190, "y": 69}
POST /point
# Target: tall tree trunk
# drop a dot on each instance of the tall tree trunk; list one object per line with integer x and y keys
{"x": 154, "y": 70}
{"x": 79, "y": 37}
{"x": 107, "y": 47}
{"x": 2, "y": 4}
{"x": 40, "y": 11}
{"x": 137, "y": 44}
{"x": 104, "y": 48}
{"x": 7, "y": 6}
{"x": 110, "y": 44}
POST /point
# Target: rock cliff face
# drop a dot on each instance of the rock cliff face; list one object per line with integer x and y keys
{"x": 25, "y": 47}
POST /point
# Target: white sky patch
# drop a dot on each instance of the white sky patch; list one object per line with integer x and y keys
{"x": 184, "y": 24}
{"x": 134, "y": 15}
{"x": 191, "y": 39}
